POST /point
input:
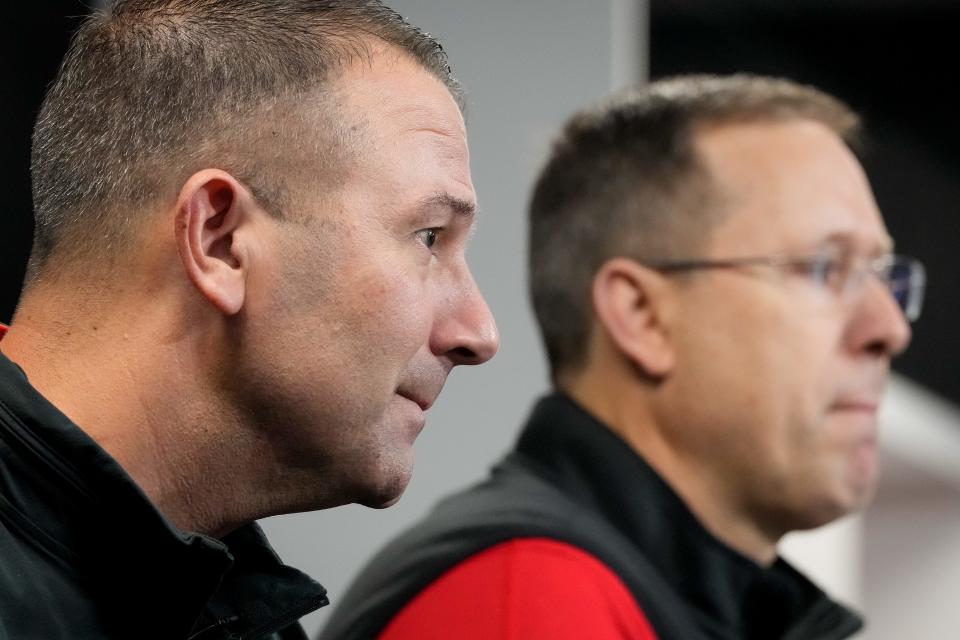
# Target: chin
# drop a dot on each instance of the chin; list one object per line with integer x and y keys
{"x": 843, "y": 488}
{"x": 824, "y": 516}
{"x": 384, "y": 503}
{"x": 381, "y": 501}
{"x": 387, "y": 491}
{"x": 833, "y": 507}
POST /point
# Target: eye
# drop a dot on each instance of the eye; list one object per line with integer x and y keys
{"x": 828, "y": 270}
{"x": 429, "y": 236}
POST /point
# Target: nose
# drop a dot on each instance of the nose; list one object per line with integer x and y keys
{"x": 880, "y": 326}
{"x": 464, "y": 330}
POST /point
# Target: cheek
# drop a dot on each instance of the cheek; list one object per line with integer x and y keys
{"x": 800, "y": 385}
{"x": 787, "y": 355}
{"x": 396, "y": 308}
{"x": 769, "y": 368}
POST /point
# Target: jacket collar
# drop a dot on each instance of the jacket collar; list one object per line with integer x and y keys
{"x": 733, "y": 596}
{"x": 95, "y": 518}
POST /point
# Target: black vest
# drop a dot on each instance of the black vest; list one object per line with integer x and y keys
{"x": 572, "y": 480}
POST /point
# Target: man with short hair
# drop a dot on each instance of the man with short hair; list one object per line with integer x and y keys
{"x": 719, "y": 302}
{"x": 248, "y": 286}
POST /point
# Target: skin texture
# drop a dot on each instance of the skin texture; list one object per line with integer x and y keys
{"x": 753, "y": 392}
{"x": 238, "y": 364}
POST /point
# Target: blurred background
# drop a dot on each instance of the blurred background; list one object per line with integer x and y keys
{"x": 527, "y": 64}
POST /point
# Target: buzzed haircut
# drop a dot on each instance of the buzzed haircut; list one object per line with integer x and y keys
{"x": 151, "y": 91}
{"x": 624, "y": 179}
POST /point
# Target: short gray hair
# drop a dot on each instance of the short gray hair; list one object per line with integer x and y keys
{"x": 152, "y": 90}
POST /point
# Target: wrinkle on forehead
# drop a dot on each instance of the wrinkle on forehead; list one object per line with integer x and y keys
{"x": 447, "y": 135}
{"x": 443, "y": 133}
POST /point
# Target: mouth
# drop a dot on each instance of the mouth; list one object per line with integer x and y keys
{"x": 421, "y": 401}
{"x": 869, "y": 407}
{"x": 861, "y": 416}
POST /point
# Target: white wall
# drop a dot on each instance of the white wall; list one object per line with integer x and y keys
{"x": 911, "y": 544}
{"x": 912, "y": 564}
{"x": 527, "y": 65}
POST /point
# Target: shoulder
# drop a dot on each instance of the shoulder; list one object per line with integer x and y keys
{"x": 526, "y": 588}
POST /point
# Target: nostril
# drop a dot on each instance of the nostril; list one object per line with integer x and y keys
{"x": 464, "y": 354}
{"x": 880, "y": 348}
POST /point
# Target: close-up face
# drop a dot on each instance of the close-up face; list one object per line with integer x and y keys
{"x": 362, "y": 311}
{"x": 780, "y": 378}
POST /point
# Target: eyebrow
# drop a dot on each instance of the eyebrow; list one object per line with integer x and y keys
{"x": 845, "y": 238}
{"x": 466, "y": 208}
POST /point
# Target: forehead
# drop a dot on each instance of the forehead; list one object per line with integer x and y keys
{"x": 408, "y": 121}
{"x": 789, "y": 186}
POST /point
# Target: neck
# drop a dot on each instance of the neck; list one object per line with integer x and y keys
{"x": 140, "y": 382}
{"x": 626, "y": 406}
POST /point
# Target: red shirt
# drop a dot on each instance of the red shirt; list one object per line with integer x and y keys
{"x": 524, "y": 589}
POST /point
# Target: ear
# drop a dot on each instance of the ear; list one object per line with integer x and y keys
{"x": 630, "y": 301}
{"x": 212, "y": 208}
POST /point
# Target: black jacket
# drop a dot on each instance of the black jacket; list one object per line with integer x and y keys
{"x": 573, "y": 480}
{"x": 84, "y": 554}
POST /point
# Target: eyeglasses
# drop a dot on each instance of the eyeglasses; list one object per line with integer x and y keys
{"x": 841, "y": 273}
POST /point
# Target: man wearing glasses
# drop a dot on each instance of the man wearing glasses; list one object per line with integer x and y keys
{"x": 720, "y": 305}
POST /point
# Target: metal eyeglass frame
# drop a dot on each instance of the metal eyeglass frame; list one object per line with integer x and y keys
{"x": 903, "y": 276}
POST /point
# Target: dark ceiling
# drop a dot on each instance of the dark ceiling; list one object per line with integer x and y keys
{"x": 33, "y": 39}
{"x": 674, "y": 8}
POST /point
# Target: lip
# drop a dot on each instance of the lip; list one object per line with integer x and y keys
{"x": 420, "y": 401}
{"x": 870, "y": 407}
{"x": 864, "y": 407}
{"x": 863, "y": 412}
